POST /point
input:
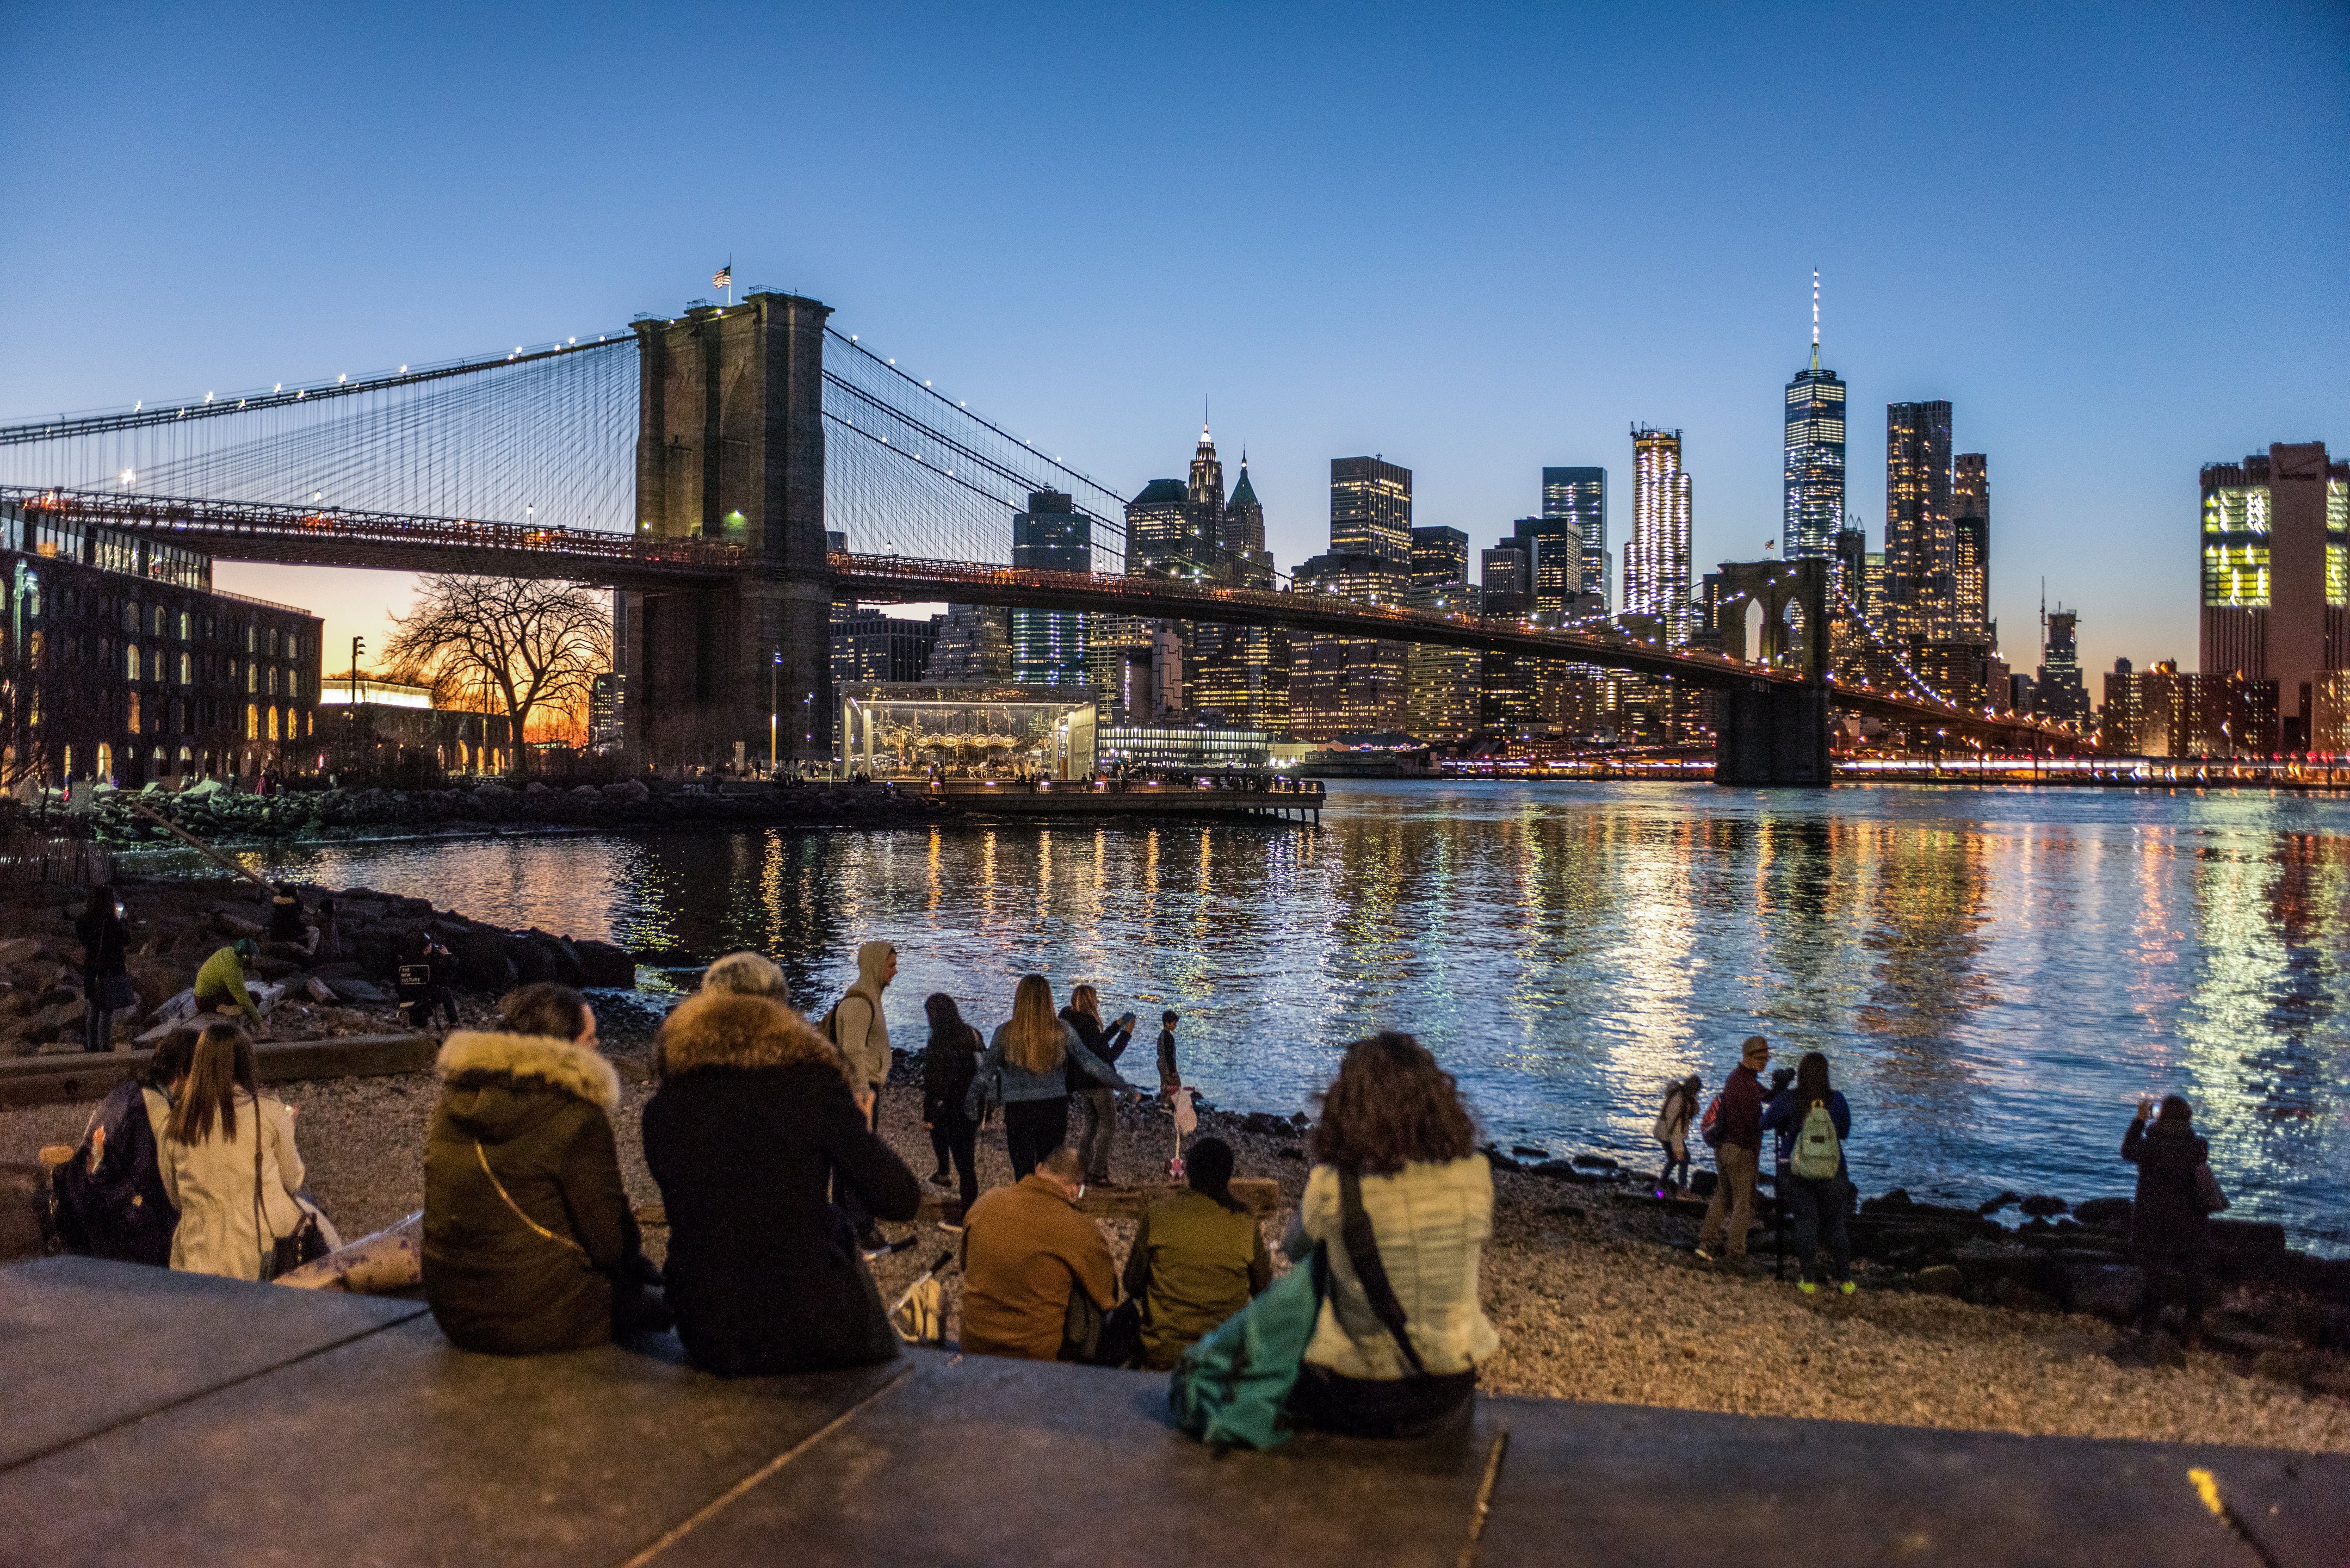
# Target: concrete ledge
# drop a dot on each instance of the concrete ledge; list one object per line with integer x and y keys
{"x": 1261, "y": 1194}
{"x": 54, "y": 1080}
{"x": 207, "y": 1421}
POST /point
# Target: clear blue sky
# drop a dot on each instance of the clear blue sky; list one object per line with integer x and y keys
{"x": 1476, "y": 240}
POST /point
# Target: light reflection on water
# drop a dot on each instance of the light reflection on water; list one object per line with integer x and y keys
{"x": 1997, "y": 974}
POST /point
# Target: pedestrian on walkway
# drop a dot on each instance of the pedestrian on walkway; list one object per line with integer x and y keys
{"x": 1815, "y": 1187}
{"x": 752, "y": 1119}
{"x": 1025, "y": 1072}
{"x": 1198, "y": 1258}
{"x": 1738, "y": 1132}
{"x": 950, "y": 1063}
{"x": 1095, "y": 1102}
{"x": 858, "y": 1026}
{"x": 1026, "y": 1252}
{"x": 529, "y": 1242}
{"x": 1672, "y": 1130}
{"x": 106, "y": 985}
{"x": 1395, "y": 1350}
{"x": 2170, "y": 1224}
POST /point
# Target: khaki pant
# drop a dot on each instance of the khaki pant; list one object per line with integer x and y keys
{"x": 1735, "y": 1166}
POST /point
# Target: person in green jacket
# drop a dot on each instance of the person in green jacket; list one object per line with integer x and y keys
{"x": 529, "y": 1242}
{"x": 1198, "y": 1258}
{"x": 220, "y": 983}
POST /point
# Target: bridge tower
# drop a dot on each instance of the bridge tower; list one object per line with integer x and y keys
{"x": 1766, "y": 734}
{"x": 730, "y": 447}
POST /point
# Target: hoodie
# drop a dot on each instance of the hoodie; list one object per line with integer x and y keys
{"x": 528, "y": 1269}
{"x": 859, "y": 1026}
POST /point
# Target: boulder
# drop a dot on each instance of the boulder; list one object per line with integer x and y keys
{"x": 532, "y": 962}
{"x": 2039, "y": 1205}
{"x": 535, "y": 790}
{"x": 483, "y": 964}
{"x": 2016, "y": 1295}
{"x": 587, "y": 791}
{"x": 602, "y": 965}
{"x": 631, "y": 790}
{"x": 1596, "y": 1162}
{"x": 2107, "y": 1290}
{"x": 24, "y": 1207}
{"x": 1702, "y": 1182}
{"x": 157, "y": 981}
{"x": 494, "y": 794}
{"x": 1940, "y": 1280}
{"x": 1994, "y": 1204}
{"x": 2105, "y": 1213}
{"x": 1529, "y": 1151}
{"x": 22, "y": 950}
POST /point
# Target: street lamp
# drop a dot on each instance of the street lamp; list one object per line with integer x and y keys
{"x": 775, "y": 674}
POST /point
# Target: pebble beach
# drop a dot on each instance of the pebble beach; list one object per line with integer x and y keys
{"x": 1595, "y": 1298}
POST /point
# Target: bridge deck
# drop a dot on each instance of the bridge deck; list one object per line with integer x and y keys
{"x": 170, "y": 1417}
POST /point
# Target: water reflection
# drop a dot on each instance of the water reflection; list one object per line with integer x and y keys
{"x": 1998, "y": 974}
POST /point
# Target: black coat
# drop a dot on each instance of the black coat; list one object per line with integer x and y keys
{"x": 1108, "y": 1045}
{"x": 105, "y": 940}
{"x": 752, "y": 1118}
{"x": 949, "y": 1064}
{"x": 2169, "y": 1212}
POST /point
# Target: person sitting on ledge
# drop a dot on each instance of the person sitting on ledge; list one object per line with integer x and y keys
{"x": 753, "y": 1118}
{"x": 1198, "y": 1258}
{"x": 229, "y": 1164}
{"x": 1026, "y": 1248}
{"x": 529, "y": 1242}
{"x": 1394, "y": 1122}
{"x": 220, "y": 982}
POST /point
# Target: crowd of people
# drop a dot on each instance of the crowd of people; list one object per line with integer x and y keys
{"x": 763, "y": 1135}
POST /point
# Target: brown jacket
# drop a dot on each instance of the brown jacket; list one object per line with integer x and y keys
{"x": 1024, "y": 1247}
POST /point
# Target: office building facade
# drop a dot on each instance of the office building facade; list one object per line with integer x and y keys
{"x": 1348, "y": 685}
{"x": 1582, "y": 494}
{"x": 1813, "y": 494}
{"x": 1971, "y": 547}
{"x": 1657, "y": 553}
{"x": 1049, "y": 647}
{"x": 2275, "y": 568}
{"x": 1920, "y": 556}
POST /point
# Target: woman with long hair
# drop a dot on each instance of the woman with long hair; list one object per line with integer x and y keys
{"x": 1025, "y": 1071}
{"x": 1198, "y": 1258}
{"x": 1815, "y": 1123}
{"x": 950, "y": 1063}
{"x": 1396, "y": 1138}
{"x": 229, "y": 1163}
{"x": 1095, "y": 1100}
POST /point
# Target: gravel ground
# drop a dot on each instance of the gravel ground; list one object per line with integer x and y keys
{"x": 1591, "y": 1303}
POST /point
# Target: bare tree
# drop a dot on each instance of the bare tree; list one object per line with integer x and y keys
{"x": 537, "y": 644}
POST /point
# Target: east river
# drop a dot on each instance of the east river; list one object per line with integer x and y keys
{"x": 1996, "y": 974}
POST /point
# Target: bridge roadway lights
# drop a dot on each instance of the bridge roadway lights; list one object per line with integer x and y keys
{"x": 1770, "y": 736}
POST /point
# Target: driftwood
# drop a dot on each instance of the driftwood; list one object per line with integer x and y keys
{"x": 184, "y": 837}
{"x": 380, "y": 1264}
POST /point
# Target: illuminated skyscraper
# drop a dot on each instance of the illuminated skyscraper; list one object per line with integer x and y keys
{"x": 1048, "y": 646}
{"x": 1582, "y": 494}
{"x": 1370, "y": 510}
{"x": 1657, "y": 555}
{"x": 1970, "y": 546}
{"x": 2276, "y": 577}
{"x": 1348, "y": 685}
{"x": 1814, "y": 472}
{"x": 1920, "y": 556}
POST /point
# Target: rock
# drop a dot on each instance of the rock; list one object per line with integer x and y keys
{"x": 1941, "y": 1280}
{"x": 531, "y": 961}
{"x": 2106, "y": 1290}
{"x": 483, "y": 964}
{"x": 2105, "y": 1213}
{"x": 22, "y": 950}
{"x": 1529, "y": 1151}
{"x": 603, "y": 965}
{"x": 1289, "y": 1151}
{"x": 2251, "y": 1237}
{"x": 2039, "y": 1205}
{"x": 236, "y": 926}
{"x": 158, "y": 982}
{"x": 587, "y": 791}
{"x": 631, "y": 790}
{"x": 2014, "y": 1293}
{"x": 534, "y": 790}
{"x": 1702, "y": 1182}
{"x": 493, "y": 794}
{"x": 1994, "y": 1204}
{"x": 1596, "y": 1162}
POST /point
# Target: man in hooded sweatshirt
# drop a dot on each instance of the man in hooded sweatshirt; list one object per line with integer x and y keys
{"x": 858, "y": 1028}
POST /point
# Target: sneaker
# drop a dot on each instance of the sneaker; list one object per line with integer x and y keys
{"x": 1848, "y": 1287}
{"x": 940, "y": 1179}
{"x": 1808, "y": 1288}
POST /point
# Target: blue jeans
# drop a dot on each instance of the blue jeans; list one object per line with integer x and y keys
{"x": 1673, "y": 1163}
{"x": 1818, "y": 1210}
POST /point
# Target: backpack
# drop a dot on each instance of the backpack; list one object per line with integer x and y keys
{"x": 1667, "y": 1115}
{"x": 1232, "y": 1388}
{"x": 118, "y": 1209}
{"x": 1818, "y": 1154}
{"x": 1709, "y": 1127}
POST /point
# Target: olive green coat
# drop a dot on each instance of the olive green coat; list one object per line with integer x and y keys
{"x": 538, "y": 1112}
{"x": 1195, "y": 1263}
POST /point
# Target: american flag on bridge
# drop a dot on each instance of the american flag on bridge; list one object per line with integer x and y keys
{"x": 723, "y": 278}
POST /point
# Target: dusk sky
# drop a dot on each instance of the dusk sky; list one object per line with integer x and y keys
{"x": 2116, "y": 238}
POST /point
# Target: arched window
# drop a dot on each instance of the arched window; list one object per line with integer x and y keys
{"x": 252, "y": 676}
{"x": 273, "y": 723}
{"x": 273, "y": 681}
{"x": 130, "y": 660}
{"x": 133, "y": 724}
{"x": 105, "y": 760}
{"x": 252, "y": 723}
{"x": 187, "y": 667}
{"x": 163, "y": 627}
{"x": 183, "y": 634}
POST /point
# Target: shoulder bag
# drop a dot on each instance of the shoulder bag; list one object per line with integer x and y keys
{"x": 1363, "y": 1252}
{"x": 307, "y": 1244}
{"x": 483, "y": 1155}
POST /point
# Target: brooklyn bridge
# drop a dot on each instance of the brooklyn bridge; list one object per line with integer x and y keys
{"x": 732, "y": 470}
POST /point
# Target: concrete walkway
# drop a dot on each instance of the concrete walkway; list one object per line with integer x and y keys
{"x": 155, "y": 1417}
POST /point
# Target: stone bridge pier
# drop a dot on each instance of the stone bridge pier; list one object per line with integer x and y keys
{"x": 1766, "y": 734}
{"x": 730, "y": 447}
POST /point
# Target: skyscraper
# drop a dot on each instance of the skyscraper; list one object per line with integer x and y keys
{"x": 1970, "y": 546}
{"x": 1370, "y": 509}
{"x": 1554, "y": 545}
{"x": 1439, "y": 556}
{"x": 1814, "y": 472}
{"x": 2060, "y": 694}
{"x": 1242, "y": 536}
{"x": 1656, "y": 557}
{"x": 1582, "y": 494}
{"x": 2276, "y": 575}
{"x": 1162, "y": 536}
{"x": 1919, "y": 556}
{"x": 1048, "y": 646}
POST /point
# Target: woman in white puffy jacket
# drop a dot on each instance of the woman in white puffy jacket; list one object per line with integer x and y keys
{"x": 228, "y": 1160}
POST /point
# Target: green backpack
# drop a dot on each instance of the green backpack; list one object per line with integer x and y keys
{"x": 1232, "y": 1389}
{"x": 1818, "y": 1154}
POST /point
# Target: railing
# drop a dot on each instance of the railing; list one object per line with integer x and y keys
{"x": 265, "y": 604}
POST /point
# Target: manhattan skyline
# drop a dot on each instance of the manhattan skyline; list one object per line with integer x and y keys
{"x": 2043, "y": 260}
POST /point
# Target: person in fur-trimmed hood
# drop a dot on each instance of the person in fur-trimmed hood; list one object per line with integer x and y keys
{"x": 752, "y": 1118}
{"x": 529, "y": 1243}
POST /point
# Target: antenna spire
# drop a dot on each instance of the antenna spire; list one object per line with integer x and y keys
{"x": 1815, "y": 319}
